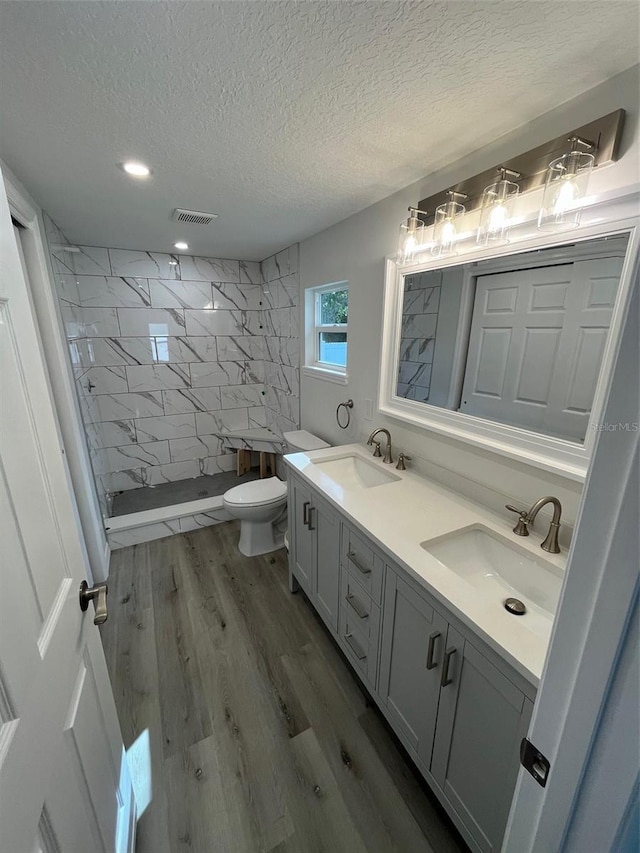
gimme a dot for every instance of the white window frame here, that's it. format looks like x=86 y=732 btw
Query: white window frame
x=313 y=327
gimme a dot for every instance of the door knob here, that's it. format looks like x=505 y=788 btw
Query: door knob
x=97 y=593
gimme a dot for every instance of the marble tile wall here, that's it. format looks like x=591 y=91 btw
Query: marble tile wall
x=160 y=529
x=282 y=340
x=418 y=335
x=167 y=350
x=63 y=266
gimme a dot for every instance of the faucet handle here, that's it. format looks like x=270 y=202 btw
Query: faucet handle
x=402 y=457
x=521 y=528
x=377 y=451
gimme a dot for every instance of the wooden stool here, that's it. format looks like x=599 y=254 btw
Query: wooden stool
x=267 y=464
x=243 y=462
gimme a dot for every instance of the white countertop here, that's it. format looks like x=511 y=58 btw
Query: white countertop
x=399 y=516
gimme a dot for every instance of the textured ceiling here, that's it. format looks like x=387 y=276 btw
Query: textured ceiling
x=283 y=117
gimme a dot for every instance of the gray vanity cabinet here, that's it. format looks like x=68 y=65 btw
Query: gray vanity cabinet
x=325 y=525
x=482 y=717
x=458 y=707
x=412 y=650
x=301 y=539
x=315 y=546
x=461 y=713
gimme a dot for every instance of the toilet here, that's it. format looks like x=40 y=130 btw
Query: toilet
x=261 y=505
x=300 y=440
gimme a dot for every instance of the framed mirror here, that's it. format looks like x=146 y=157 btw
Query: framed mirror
x=511 y=351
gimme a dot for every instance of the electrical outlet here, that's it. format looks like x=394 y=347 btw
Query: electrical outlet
x=368 y=410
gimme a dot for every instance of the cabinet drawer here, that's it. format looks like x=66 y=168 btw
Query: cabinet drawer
x=360 y=640
x=359 y=558
x=361 y=610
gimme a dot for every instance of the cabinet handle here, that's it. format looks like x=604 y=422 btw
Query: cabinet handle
x=352 y=556
x=305 y=512
x=445 y=680
x=355 y=648
x=309 y=522
x=357 y=606
x=431 y=664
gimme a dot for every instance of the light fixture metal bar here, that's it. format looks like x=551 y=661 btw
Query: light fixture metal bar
x=604 y=133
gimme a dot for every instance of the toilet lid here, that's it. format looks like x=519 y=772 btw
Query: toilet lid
x=257 y=492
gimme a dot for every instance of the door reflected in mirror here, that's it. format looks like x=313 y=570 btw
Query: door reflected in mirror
x=517 y=340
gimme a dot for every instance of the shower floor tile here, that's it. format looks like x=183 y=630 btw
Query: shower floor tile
x=167 y=494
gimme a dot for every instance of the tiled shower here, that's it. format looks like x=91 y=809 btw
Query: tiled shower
x=169 y=350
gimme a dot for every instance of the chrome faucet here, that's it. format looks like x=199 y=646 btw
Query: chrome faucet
x=387 y=454
x=550 y=542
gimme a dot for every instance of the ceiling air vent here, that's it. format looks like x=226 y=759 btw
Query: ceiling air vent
x=193 y=217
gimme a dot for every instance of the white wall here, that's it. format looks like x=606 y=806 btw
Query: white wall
x=605 y=800
x=354 y=250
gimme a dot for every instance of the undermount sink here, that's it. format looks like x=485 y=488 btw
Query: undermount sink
x=499 y=568
x=354 y=472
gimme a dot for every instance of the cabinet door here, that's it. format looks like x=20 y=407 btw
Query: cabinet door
x=325 y=527
x=482 y=718
x=302 y=538
x=413 y=638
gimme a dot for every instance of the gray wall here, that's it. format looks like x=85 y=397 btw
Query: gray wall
x=448 y=322
x=355 y=249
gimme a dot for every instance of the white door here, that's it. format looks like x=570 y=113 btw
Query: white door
x=590 y=301
x=573 y=719
x=64 y=783
x=536 y=345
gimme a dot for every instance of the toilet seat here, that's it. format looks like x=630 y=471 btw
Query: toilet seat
x=257 y=493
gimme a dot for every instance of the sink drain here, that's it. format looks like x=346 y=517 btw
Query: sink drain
x=515 y=606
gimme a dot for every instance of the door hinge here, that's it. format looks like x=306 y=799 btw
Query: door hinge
x=534 y=761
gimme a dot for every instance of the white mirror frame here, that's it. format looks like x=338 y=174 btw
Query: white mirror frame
x=609 y=216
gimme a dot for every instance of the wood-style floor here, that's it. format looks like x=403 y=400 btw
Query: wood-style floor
x=260 y=737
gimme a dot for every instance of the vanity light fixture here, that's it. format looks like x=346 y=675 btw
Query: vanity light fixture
x=136 y=169
x=498 y=203
x=565 y=187
x=550 y=167
x=444 y=226
x=181 y=245
x=411 y=236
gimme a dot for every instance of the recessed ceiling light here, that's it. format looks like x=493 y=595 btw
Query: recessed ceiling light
x=136 y=169
x=181 y=245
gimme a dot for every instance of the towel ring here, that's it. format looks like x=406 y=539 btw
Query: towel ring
x=348 y=405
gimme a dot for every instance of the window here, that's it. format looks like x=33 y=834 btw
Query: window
x=327 y=312
x=159 y=333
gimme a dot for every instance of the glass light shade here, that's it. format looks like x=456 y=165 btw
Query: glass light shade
x=444 y=228
x=410 y=240
x=498 y=203
x=565 y=190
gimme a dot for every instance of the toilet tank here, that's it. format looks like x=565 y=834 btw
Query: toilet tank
x=300 y=439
